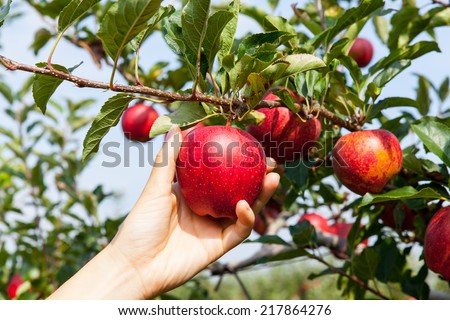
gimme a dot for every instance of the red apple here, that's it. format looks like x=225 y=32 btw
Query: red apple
x=217 y=166
x=13 y=285
x=361 y=51
x=269 y=213
x=317 y=221
x=388 y=218
x=364 y=161
x=137 y=122
x=284 y=136
x=342 y=229
x=437 y=243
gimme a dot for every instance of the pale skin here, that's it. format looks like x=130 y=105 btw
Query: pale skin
x=162 y=243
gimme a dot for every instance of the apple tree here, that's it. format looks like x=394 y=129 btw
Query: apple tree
x=370 y=172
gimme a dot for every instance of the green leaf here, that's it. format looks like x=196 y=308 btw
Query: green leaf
x=381 y=28
x=444 y=90
x=255 y=88
x=162 y=13
x=108 y=117
x=216 y=24
x=404 y=193
x=412 y=52
x=436 y=137
x=74 y=10
x=392 y=102
x=364 y=266
x=229 y=31
x=187 y=114
x=4 y=12
x=390 y=72
x=423 y=95
x=44 y=86
x=292 y=64
x=5 y=90
x=272 y=23
x=41 y=37
x=269 y=239
x=124 y=20
x=365 y=8
x=194 y=20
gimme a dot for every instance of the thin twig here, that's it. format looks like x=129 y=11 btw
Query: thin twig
x=238 y=106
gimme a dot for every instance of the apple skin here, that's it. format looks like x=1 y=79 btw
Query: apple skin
x=284 y=136
x=364 y=161
x=137 y=122
x=317 y=221
x=437 y=243
x=262 y=220
x=361 y=51
x=387 y=216
x=14 y=284
x=217 y=167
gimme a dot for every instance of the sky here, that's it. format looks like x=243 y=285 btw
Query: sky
x=17 y=36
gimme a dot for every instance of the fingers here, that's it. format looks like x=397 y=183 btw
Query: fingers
x=164 y=168
x=241 y=229
x=271 y=164
x=270 y=185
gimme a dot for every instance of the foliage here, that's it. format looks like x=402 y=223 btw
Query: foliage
x=50 y=227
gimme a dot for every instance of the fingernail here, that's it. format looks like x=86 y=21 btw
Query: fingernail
x=171 y=132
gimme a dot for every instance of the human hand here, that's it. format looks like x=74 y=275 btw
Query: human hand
x=165 y=241
x=162 y=243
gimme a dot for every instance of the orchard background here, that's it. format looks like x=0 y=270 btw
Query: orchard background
x=70 y=70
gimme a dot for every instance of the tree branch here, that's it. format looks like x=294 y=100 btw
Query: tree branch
x=238 y=106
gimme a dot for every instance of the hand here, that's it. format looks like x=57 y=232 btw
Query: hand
x=162 y=243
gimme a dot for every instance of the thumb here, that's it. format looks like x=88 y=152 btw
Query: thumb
x=241 y=229
x=164 y=167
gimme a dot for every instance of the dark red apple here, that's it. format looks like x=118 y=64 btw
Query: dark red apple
x=388 y=215
x=361 y=51
x=437 y=243
x=137 y=122
x=342 y=229
x=364 y=161
x=217 y=166
x=14 y=284
x=317 y=221
x=284 y=136
x=269 y=213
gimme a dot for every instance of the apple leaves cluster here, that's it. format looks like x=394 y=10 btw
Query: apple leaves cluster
x=221 y=76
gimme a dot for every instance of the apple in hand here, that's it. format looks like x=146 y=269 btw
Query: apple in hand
x=388 y=215
x=14 y=284
x=284 y=136
x=361 y=51
x=217 y=167
x=437 y=243
x=137 y=121
x=269 y=213
x=365 y=161
x=317 y=221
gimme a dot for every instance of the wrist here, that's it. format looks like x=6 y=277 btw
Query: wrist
x=107 y=276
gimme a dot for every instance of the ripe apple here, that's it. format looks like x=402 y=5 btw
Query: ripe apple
x=342 y=229
x=13 y=285
x=217 y=166
x=137 y=122
x=364 y=161
x=317 y=221
x=269 y=213
x=437 y=243
x=361 y=51
x=387 y=216
x=284 y=136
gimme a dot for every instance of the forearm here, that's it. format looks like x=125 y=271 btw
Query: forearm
x=106 y=276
